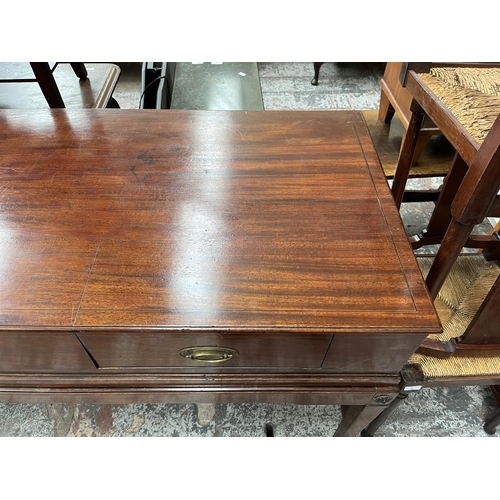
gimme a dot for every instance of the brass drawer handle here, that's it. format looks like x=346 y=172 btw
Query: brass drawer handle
x=208 y=354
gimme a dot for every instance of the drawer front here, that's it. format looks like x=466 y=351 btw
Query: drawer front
x=42 y=352
x=369 y=353
x=147 y=350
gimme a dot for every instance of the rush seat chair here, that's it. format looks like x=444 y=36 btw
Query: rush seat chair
x=465 y=287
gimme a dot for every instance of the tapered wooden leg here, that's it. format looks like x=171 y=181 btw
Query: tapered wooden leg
x=385 y=109
x=48 y=85
x=80 y=70
x=407 y=153
x=422 y=141
x=377 y=422
x=412 y=380
x=441 y=215
x=493 y=253
x=494 y=421
x=491 y=424
x=455 y=239
x=317 y=66
x=112 y=103
x=355 y=418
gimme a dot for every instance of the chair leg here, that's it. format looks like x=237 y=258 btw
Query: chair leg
x=407 y=153
x=376 y=423
x=385 y=109
x=355 y=418
x=80 y=70
x=441 y=215
x=317 y=66
x=490 y=426
x=412 y=380
x=457 y=235
x=493 y=253
x=112 y=103
x=422 y=141
x=48 y=85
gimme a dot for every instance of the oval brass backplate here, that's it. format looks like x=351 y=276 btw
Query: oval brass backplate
x=208 y=354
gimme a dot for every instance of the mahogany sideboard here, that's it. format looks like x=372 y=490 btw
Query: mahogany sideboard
x=203 y=256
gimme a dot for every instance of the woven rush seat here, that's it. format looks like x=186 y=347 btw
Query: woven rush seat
x=485 y=80
x=463 y=292
x=457 y=302
x=461 y=364
x=471 y=94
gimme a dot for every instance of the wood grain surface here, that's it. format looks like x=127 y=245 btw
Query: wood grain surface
x=234 y=221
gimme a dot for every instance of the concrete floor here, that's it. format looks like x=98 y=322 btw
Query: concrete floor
x=431 y=412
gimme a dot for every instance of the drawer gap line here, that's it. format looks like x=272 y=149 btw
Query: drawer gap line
x=88 y=353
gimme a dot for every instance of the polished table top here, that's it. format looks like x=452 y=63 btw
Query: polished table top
x=207 y=220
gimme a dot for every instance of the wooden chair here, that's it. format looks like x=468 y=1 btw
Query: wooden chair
x=436 y=95
x=465 y=288
x=396 y=99
x=60 y=85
